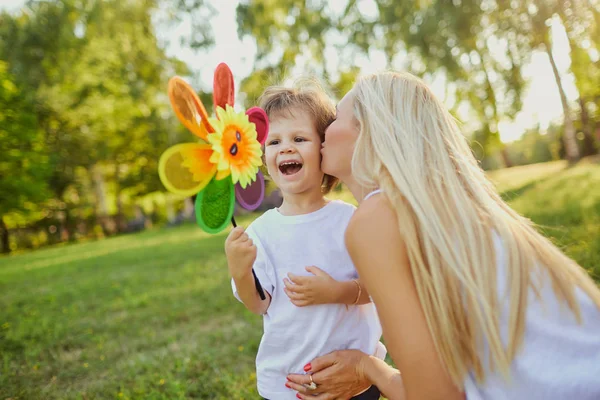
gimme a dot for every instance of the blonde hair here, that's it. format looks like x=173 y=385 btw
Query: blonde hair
x=307 y=95
x=411 y=147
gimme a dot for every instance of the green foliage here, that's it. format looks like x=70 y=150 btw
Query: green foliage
x=199 y=12
x=433 y=38
x=478 y=47
x=93 y=77
x=534 y=147
x=288 y=28
x=24 y=164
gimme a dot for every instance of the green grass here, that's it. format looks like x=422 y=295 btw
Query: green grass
x=563 y=201
x=151 y=316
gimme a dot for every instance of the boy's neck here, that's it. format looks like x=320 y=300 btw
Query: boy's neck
x=302 y=203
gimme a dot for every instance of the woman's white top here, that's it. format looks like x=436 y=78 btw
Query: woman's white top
x=559 y=358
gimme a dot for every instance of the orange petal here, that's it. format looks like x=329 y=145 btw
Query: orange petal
x=188 y=107
x=223 y=86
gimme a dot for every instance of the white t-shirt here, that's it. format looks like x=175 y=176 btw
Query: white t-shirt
x=294 y=336
x=559 y=358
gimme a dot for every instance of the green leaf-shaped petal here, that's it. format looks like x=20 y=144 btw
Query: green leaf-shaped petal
x=215 y=204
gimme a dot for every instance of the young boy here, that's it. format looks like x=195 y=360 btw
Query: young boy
x=307 y=230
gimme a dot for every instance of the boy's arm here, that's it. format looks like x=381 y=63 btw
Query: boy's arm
x=241 y=254
x=323 y=289
x=352 y=292
x=248 y=294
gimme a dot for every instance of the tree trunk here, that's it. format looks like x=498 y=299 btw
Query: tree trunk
x=69 y=226
x=4 y=238
x=589 y=147
x=505 y=157
x=492 y=98
x=100 y=194
x=171 y=217
x=120 y=218
x=188 y=208
x=571 y=148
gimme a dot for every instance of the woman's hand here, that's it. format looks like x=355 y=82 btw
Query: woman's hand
x=338 y=375
x=310 y=290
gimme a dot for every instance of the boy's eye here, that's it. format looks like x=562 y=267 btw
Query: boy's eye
x=298 y=139
x=272 y=142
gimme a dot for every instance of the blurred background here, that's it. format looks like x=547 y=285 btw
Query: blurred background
x=111 y=291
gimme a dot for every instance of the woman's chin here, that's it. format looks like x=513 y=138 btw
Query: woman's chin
x=326 y=168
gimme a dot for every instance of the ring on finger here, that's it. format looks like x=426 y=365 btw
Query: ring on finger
x=312 y=385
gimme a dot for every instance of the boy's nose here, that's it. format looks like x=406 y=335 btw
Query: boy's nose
x=287 y=150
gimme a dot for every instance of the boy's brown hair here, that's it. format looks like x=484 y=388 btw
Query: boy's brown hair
x=307 y=95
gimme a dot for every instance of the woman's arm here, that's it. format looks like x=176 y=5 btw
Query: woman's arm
x=387 y=379
x=374 y=242
x=345 y=373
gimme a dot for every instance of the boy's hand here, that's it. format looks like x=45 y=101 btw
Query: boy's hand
x=310 y=290
x=240 y=252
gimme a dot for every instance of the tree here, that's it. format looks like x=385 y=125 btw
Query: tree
x=24 y=164
x=96 y=75
x=38 y=45
x=433 y=38
x=582 y=22
x=113 y=94
x=288 y=28
x=532 y=21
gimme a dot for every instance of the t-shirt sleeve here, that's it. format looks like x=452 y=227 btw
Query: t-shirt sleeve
x=262 y=267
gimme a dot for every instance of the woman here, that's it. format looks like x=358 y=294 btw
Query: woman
x=472 y=300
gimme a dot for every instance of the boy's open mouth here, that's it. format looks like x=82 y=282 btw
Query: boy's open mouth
x=290 y=167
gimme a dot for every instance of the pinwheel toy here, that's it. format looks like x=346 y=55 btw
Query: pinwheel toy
x=223 y=165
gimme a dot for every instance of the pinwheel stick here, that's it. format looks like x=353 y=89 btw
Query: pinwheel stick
x=256 y=281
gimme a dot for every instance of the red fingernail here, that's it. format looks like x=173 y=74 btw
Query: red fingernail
x=298 y=396
x=307 y=367
x=287 y=385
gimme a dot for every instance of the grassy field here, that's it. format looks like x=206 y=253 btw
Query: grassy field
x=564 y=202
x=151 y=316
